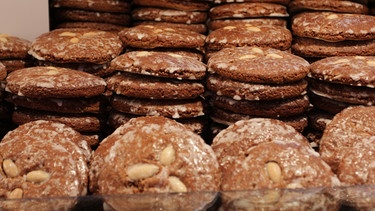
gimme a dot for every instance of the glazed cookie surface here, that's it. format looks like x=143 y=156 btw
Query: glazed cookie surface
x=141 y=86
x=334 y=27
x=297 y=6
x=13 y=47
x=251 y=91
x=153 y=36
x=349 y=70
x=219 y=23
x=160 y=64
x=247 y=10
x=76 y=45
x=247 y=35
x=94 y=5
x=278 y=164
x=353 y=125
x=154 y=155
x=54 y=82
x=258 y=65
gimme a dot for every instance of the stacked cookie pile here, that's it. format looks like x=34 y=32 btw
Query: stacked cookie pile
x=190 y=14
x=161 y=76
x=339 y=41
x=249 y=82
x=258 y=12
x=13 y=56
x=109 y=15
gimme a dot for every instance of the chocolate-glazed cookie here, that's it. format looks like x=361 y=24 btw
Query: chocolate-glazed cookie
x=142 y=86
x=153 y=36
x=76 y=45
x=258 y=65
x=353 y=125
x=278 y=164
x=334 y=27
x=44 y=159
x=297 y=6
x=153 y=155
x=248 y=35
x=54 y=82
x=160 y=64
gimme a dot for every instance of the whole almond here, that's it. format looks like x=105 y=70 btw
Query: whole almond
x=168 y=155
x=176 y=184
x=37 y=176
x=141 y=171
x=10 y=168
x=274 y=171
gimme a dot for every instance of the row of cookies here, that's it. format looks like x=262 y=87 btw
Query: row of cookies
x=153 y=155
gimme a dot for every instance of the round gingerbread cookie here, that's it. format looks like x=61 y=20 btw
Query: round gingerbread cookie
x=168 y=15
x=318 y=49
x=297 y=6
x=92 y=105
x=360 y=95
x=250 y=91
x=44 y=159
x=115 y=6
x=37 y=82
x=12 y=47
x=76 y=45
x=65 y=14
x=333 y=27
x=248 y=35
x=216 y=24
x=248 y=10
x=349 y=70
x=195 y=27
x=187 y=5
x=160 y=64
x=227 y=118
x=80 y=122
x=235 y=141
x=153 y=155
x=15 y=64
x=168 y=108
x=258 y=65
x=263 y=108
x=353 y=125
x=141 y=86
x=154 y=36
x=329 y=105
x=115 y=28
x=278 y=164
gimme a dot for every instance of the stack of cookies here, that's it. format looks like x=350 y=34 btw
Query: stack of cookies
x=248 y=82
x=324 y=34
x=5 y=108
x=13 y=52
x=190 y=14
x=58 y=94
x=258 y=12
x=338 y=82
x=161 y=76
x=109 y=15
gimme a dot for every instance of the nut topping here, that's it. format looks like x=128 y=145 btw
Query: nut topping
x=16 y=194
x=274 y=171
x=176 y=184
x=142 y=171
x=37 y=176
x=10 y=168
x=168 y=155
x=74 y=40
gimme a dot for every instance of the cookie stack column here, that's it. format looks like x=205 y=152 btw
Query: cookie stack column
x=161 y=78
x=13 y=56
x=109 y=15
x=250 y=81
x=190 y=14
x=66 y=86
x=340 y=44
x=258 y=12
